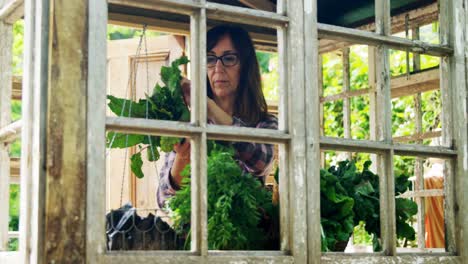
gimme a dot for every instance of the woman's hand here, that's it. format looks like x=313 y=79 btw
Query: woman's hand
x=185 y=85
x=217 y=114
x=183 y=148
x=182 y=158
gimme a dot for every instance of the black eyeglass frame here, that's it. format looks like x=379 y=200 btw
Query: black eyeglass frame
x=221 y=58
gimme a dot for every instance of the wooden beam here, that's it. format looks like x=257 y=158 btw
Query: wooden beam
x=370 y=38
x=6 y=47
x=312 y=120
x=96 y=131
x=454 y=90
x=260 y=4
x=283 y=125
x=262 y=41
x=155 y=24
x=65 y=205
x=34 y=99
x=400 y=86
x=422 y=193
x=12 y=11
x=10 y=132
x=408 y=258
x=417 y=17
x=15 y=170
x=415 y=83
x=418 y=136
x=16 y=86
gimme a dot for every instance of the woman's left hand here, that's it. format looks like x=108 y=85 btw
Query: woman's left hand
x=217 y=115
x=186 y=87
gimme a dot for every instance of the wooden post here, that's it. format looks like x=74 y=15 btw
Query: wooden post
x=418 y=168
x=6 y=47
x=322 y=105
x=199 y=185
x=384 y=131
x=66 y=124
x=312 y=143
x=454 y=85
x=298 y=149
x=96 y=112
x=283 y=125
x=346 y=100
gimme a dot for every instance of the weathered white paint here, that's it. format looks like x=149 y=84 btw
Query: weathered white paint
x=297 y=166
x=6 y=49
x=356 y=36
x=10 y=132
x=11 y=10
x=96 y=165
x=312 y=117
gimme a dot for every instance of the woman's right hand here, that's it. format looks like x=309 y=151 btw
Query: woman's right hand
x=181 y=160
x=183 y=149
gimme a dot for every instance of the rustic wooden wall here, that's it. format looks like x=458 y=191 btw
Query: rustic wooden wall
x=65 y=199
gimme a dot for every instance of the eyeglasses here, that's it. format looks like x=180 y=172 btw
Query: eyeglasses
x=228 y=60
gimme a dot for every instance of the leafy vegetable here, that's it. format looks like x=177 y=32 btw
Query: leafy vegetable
x=237 y=203
x=336 y=209
x=167 y=143
x=166 y=103
x=363 y=188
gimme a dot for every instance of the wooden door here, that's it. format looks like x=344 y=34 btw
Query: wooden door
x=122 y=62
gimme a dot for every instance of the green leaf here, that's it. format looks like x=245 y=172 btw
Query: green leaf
x=152 y=153
x=121 y=107
x=185 y=117
x=167 y=143
x=119 y=140
x=136 y=163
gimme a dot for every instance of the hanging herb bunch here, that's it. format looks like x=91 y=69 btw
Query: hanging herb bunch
x=166 y=103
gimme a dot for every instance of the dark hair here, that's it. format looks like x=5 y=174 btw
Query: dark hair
x=250 y=104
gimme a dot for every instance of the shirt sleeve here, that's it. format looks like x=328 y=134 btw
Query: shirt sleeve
x=256 y=158
x=167 y=187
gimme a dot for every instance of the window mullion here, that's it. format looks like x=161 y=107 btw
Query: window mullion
x=283 y=125
x=297 y=148
x=384 y=130
x=199 y=223
x=312 y=95
x=453 y=87
x=6 y=47
x=96 y=112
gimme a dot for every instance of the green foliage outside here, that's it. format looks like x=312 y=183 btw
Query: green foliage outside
x=350 y=196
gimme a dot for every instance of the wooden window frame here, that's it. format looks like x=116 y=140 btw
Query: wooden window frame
x=299 y=133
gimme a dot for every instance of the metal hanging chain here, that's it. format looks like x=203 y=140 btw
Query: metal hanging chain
x=131 y=80
x=147 y=104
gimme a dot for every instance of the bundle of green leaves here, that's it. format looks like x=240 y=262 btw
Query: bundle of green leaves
x=237 y=204
x=363 y=188
x=336 y=210
x=166 y=103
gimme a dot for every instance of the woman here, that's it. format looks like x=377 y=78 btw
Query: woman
x=234 y=98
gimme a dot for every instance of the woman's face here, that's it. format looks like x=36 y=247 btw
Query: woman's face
x=224 y=80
